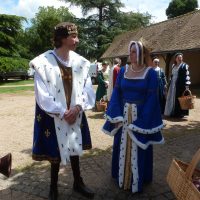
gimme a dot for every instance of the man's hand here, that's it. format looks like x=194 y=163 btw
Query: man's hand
x=71 y=114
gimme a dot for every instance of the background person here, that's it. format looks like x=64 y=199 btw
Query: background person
x=102 y=84
x=179 y=82
x=162 y=84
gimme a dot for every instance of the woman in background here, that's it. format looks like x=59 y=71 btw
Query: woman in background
x=102 y=85
x=179 y=82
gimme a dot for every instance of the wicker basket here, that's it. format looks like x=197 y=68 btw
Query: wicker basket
x=187 y=102
x=101 y=106
x=180 y=177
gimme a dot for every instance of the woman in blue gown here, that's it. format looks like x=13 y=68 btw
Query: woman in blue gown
x=134 y=119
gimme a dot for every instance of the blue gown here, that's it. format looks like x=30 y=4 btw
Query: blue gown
x=137 y=98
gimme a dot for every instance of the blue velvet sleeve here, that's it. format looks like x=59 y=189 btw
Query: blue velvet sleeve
x=149 y=120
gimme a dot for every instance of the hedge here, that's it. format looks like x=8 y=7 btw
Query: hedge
x=9 y=64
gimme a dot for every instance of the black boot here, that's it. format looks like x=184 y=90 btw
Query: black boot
x=5 y=165
x=53 y=193
x=79 y=185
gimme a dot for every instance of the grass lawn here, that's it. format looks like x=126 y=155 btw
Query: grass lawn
x=16 y=89
x=16 y=82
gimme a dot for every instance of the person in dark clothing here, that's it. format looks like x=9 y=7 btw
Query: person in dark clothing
x=179 y=82
x=102 y=85
x=162 y=83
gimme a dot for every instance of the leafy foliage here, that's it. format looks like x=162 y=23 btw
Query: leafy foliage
x=10 y=27
x=131 y=20
x=8 y=64
x=98 y=30
x=11 y=49
x=180 y=7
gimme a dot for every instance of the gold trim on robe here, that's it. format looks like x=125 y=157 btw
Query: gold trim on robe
x=128 y=170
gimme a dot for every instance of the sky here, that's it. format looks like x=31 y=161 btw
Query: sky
x=28 y=8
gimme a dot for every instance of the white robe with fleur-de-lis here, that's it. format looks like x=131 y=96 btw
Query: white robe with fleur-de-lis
x=46 y=68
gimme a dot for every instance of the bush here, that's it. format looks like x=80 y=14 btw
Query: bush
x=9 y=64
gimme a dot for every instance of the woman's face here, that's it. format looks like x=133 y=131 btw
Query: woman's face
x=179 y=58
x=133 y=54
x=155 y=63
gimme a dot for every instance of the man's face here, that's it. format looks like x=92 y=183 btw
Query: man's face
x=71 y=41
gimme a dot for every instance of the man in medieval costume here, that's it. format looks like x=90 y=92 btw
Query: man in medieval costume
x=63 y=90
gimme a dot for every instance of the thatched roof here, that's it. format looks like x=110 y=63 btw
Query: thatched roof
x=177 y=34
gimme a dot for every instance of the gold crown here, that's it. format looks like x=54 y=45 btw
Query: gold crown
x=71 y=28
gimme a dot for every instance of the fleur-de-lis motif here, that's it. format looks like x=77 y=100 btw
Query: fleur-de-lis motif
x=39 y=118
x=47 y=133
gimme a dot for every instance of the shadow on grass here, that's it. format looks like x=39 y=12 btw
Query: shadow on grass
x=14 y=90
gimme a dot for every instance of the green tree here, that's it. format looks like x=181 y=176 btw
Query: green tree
x=98 y=26
x=131 y=20
x=180 y=7
x=39 y=36
x=10 y=28
x=11 y=50
x=98 y=30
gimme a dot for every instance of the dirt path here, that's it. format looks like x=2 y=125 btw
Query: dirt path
x=16 y=125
